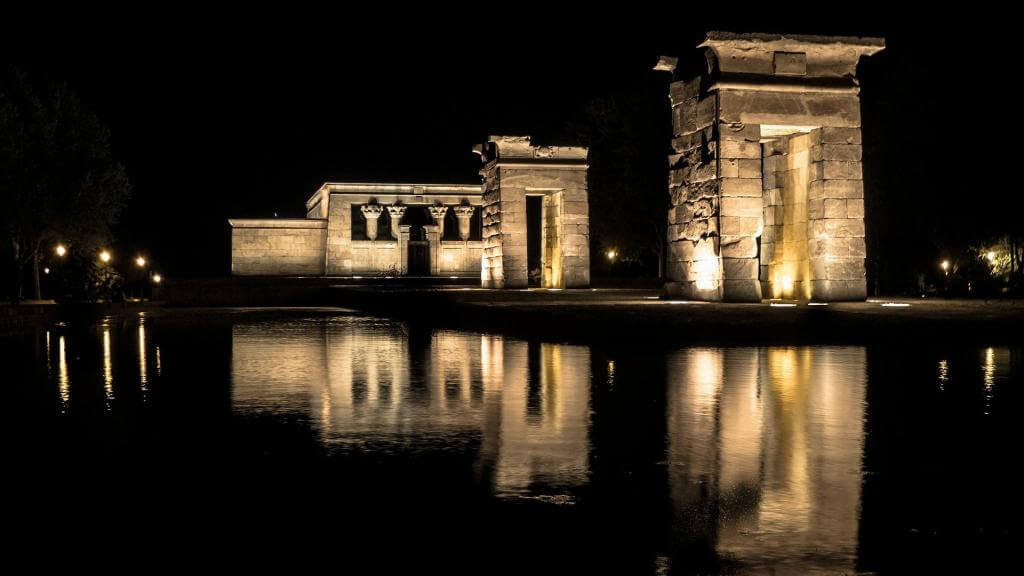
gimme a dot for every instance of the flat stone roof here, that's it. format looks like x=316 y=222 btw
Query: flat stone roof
x=720 y=35
x=277 y=223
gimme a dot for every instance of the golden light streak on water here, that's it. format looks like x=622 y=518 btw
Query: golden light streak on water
x=143 y=382
x=108 y=367
x=63 y=381
x=989 y=371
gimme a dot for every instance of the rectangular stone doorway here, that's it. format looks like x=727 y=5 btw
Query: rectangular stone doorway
x=534 y=226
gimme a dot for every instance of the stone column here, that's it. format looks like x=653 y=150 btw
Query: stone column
x=438 y=212
x=404 y=231
x=464 y=214
x=396 y=211
x=371 y=212
x=434 y=239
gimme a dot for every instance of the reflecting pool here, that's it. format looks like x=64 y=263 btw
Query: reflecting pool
x=399 y=445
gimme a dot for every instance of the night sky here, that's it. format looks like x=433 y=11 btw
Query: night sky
x=238 y=114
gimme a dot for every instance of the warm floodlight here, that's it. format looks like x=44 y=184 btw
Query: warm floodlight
x=104 y=256
x=991 y=256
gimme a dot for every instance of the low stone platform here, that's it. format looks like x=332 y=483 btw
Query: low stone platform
x=287 y=290
x=633 y=316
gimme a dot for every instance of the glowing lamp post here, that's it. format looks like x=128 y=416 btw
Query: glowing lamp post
x=945 y=266
x=991 y=256
x=105 y=256
x=60 y=250
x=611 y=254
x=140 y=263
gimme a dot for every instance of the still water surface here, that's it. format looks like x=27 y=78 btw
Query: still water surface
x=387 y=442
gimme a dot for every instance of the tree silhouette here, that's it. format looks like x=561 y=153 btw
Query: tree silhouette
x=627 y=181
x=58 y=181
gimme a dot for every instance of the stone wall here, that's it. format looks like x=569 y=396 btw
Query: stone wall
x=460 y=257
x=370 y=257
x=277 y=247
x=836 y=245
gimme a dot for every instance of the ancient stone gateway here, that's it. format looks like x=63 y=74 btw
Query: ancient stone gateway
x=765 y=179
x=554 y=242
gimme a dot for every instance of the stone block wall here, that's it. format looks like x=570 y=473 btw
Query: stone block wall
x=339 y=237
x=492 y=265
x=514 y=169
x=370 y=257
x=277 y=247
x=836 y=246
x=460 y=257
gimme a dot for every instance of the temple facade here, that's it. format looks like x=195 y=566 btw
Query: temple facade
x=367 y=229
x=526 y=225
x=767 y=194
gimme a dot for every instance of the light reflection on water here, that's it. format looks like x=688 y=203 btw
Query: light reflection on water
x=763 y=450
x=525 y=404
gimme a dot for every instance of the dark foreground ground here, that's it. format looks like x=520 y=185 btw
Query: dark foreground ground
x=610 y=315
x=632 y=315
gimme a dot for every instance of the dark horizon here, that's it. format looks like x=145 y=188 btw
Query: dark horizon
x=223 y=122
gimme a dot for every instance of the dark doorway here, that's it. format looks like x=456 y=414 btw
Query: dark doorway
x=534 y=209
x=419 y=248
x=419 y=258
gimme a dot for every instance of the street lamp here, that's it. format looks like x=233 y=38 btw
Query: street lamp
x=991 y=256
x=60 y=250
x=104 y=256
x=945 y=266
x=140 y=262
x=157 y=278
x=611 y=254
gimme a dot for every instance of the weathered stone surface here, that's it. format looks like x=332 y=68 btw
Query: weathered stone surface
x=740 y=149
x=834 y=208
x=739 y=131
x=786 y=108
x=835 y=170
x=741 y=187
x=840 y=152
x=747 y=207
x=855 y=208
x=738 y=247
x=840 y=135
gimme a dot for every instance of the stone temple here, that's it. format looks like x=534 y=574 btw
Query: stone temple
x=765 y=179
x=526 y=225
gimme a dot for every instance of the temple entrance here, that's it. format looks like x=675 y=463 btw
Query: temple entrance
x=534 y=261
x=418 y=254
x=419 y=258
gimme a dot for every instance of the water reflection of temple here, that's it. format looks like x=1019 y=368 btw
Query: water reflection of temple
x=522 y=406
x=765 y=454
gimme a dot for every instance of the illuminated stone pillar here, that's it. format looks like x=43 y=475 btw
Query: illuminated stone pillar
x=404 y=231
x=438 y=213
x=372 y=213
x=464 y=214
x=741 y=200
x=396 y=212
x=434 y=239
